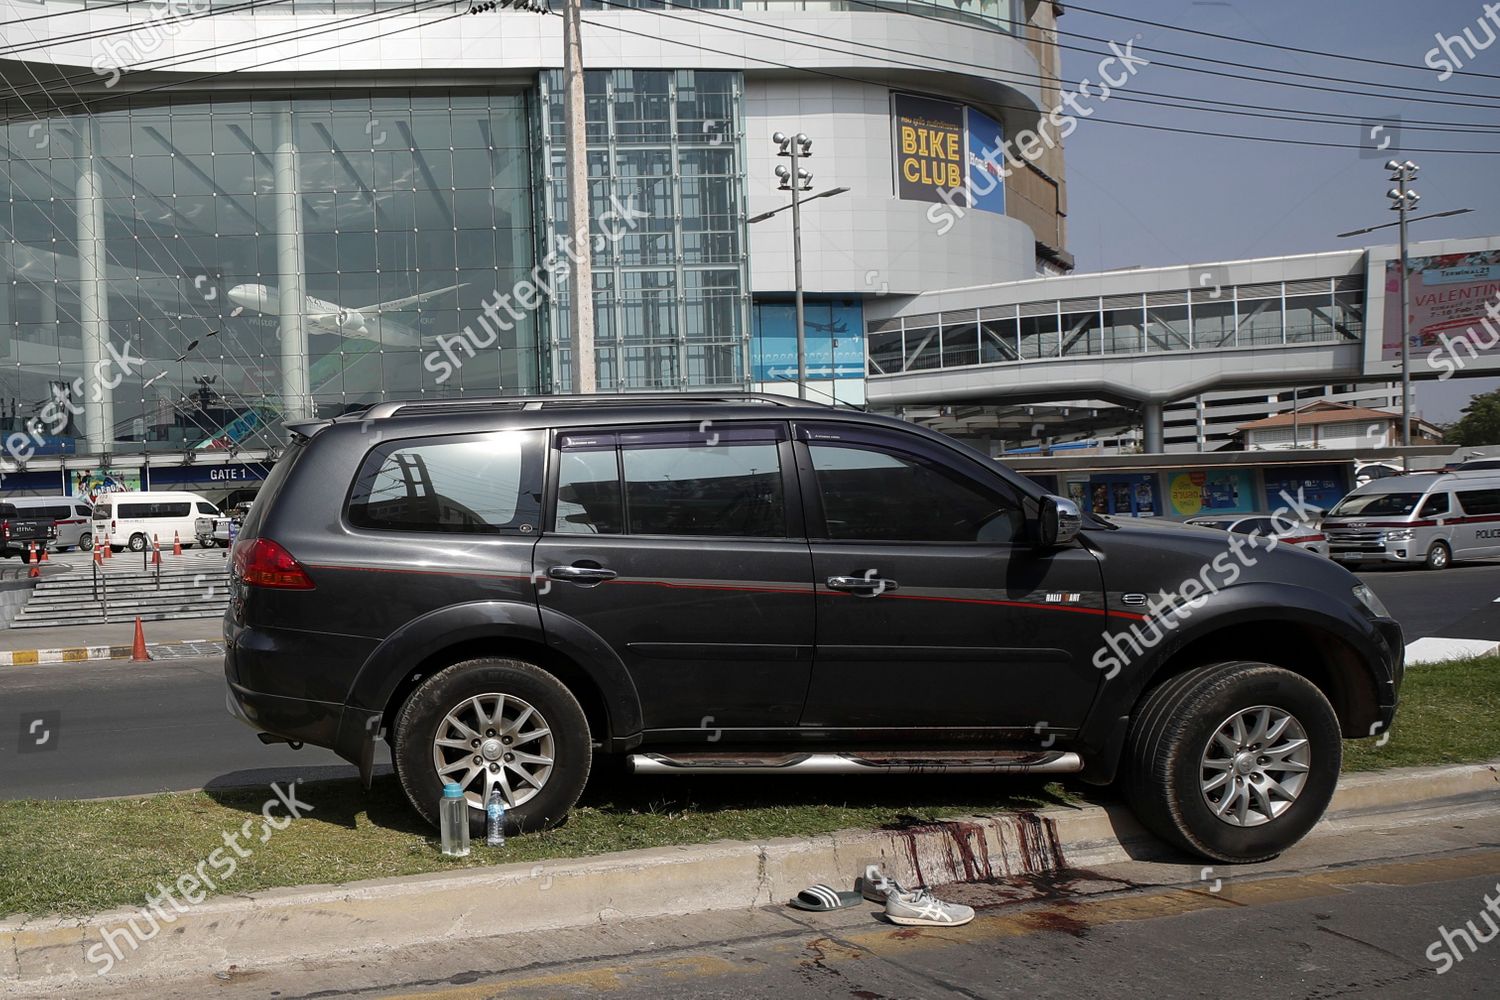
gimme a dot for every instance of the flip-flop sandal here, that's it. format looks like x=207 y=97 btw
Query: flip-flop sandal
x=821 y=897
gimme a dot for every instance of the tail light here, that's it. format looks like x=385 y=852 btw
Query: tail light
x=261 y=562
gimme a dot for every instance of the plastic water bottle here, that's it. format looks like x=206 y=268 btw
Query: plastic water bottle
x=453 y=818
x=494 y=815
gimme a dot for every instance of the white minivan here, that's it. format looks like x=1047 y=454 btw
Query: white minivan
x=134 y=519
x=1428 y=519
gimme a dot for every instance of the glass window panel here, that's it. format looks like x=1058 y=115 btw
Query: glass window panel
x=675 y=485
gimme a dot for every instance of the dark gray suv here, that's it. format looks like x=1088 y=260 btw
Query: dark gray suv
x=504 y=589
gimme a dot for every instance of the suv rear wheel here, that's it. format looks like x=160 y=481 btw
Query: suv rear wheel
x=494 y=723
x=1235 y=761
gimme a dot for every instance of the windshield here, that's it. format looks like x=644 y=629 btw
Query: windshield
x=1376 y=503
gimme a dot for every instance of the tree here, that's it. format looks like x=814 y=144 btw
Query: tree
x=1480 y=423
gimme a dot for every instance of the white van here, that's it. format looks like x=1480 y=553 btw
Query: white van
x=133 y=519
x=1429 y=519
x=72 y=515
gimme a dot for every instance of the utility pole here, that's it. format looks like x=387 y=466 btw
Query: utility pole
x=796 y=180
x=1403 y=199
x=581 y=315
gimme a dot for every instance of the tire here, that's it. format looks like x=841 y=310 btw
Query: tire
x=85 y=542
x=1169 y=758
x=138 y=542
x=448 y=692
x=1439 y=557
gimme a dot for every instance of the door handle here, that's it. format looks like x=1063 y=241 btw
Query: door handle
x=861 y=586
x=582 y=575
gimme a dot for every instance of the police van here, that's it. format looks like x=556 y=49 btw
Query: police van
x=1427 y=519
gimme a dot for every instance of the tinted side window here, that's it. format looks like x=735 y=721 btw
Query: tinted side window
x=482 y=484
x=7 y=510
x=159 y=509
x=82 y=511
x=206 y=508
x=725 y=482
x=1480 y=501
x=103 y=512
x=1434 y=505
x=588 y=486
x=873 y=493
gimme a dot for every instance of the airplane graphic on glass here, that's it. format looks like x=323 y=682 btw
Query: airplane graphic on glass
x=358 y=323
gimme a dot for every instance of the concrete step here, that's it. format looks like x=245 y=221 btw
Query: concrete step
x=122 y=617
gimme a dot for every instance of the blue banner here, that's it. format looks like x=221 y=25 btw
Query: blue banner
x=232 y=473
x=835 y=334
x=985 y=156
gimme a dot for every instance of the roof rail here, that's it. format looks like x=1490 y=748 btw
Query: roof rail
x=392 y=407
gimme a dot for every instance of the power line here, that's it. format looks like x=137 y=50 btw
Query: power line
x=1029 y=110
x=1208 y=72
x=1268 y=45
x=1291 y=114
x=131 y=27
x=295 y=34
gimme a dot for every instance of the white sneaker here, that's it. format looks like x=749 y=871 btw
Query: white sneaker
x=922 y=908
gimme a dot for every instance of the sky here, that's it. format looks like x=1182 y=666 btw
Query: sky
x=1142 y=197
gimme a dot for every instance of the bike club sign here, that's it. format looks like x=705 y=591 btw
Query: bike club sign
x=947 y=152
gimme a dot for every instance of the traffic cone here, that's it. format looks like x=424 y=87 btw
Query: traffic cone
x=44 y=553
x=176 y=544
x=155 y=550
x=98 y=559
x=109 y=553
x=31 y=555
x=138 y=650
x=36 y=570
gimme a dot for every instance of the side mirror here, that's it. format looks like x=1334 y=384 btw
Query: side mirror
x=1059 y=521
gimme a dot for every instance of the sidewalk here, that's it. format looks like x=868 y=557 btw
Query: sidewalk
x=70 y=643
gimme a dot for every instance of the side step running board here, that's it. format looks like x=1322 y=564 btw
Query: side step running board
x=972 y=762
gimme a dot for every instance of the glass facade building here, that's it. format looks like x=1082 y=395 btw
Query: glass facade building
x=287 y=255
x=667 y=202
x=298 y=254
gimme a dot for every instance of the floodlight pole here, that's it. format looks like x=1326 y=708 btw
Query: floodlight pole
x=581 y=315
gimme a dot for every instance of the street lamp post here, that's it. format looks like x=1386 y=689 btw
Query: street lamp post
x=796 y=180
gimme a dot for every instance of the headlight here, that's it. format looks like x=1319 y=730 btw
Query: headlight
x=1399 y=535
x=1366 y=596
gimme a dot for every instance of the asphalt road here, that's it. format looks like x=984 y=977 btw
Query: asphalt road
x=122 y=728
x=1456 y=603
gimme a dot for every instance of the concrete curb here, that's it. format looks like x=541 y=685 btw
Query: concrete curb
x=71 y=654
x=307 y=922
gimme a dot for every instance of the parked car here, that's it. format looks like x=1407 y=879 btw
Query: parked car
x=508 y=589
x=133 y=519
x=20 y=528
x=1424 y=519
x=1285 y=530
x=222 y=529
x=72 y=515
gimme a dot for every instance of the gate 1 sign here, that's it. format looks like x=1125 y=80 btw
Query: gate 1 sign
x=930 y=147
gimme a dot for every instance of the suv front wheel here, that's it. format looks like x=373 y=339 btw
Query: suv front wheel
x=1235 y=761
x=494 y=723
